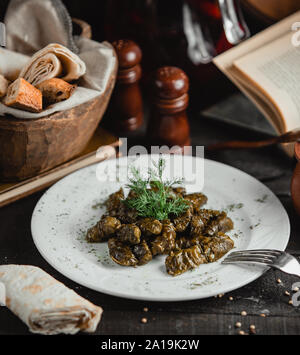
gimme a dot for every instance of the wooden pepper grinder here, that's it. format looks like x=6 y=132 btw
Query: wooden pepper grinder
x=127 y=103
x=168 y=123
x=295 y=185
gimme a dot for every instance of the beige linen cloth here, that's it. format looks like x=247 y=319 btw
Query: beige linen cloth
x=45 y=304
x=37 y=25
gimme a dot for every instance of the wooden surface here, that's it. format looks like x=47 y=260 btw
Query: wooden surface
x=207 y=316
x=10 y=192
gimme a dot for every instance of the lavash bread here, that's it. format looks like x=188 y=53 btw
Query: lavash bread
x=53 y=61
x=55 y=90
x=24 y=96
x=46 y=305
x=3 y=85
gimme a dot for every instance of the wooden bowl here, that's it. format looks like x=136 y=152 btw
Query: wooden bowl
x=30 y=147
x=271 y=10
x=295 y=185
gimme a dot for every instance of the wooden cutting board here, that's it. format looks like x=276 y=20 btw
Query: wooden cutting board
x=10 y=192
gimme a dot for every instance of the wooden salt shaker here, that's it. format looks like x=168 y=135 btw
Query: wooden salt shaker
x=127 y=103
x=168 y=123
x=295 y=185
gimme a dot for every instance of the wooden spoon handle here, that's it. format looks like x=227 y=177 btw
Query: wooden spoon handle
x=288 y=137
x=242 y=144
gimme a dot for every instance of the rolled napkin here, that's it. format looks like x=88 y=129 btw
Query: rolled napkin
x=46 y=305
x=53 y=61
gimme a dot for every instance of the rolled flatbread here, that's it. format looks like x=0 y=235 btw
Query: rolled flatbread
x=53 y=61
x=46 y=305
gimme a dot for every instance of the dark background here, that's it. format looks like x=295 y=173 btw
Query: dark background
x=111 y=20
x=93 y=12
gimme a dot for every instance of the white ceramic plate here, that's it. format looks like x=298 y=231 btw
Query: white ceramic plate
x=72 y=205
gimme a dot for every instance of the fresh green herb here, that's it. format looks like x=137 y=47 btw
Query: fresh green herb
x=234 y=206
x=262 y=199
x=158 y=201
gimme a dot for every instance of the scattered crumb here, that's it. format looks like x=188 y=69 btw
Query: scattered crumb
x=243 y=313
x=241 y=332
x=287 y=293
x=256 y=225
x=262 y=199
x=230 y=298
x=220 y=295
x=238 y=324
x=252 y=329
x=145 y=309
x=290 y=302
x=144 y=320
x=296 y=289
x=234 y=207
x=278 y=281
x=262 y=315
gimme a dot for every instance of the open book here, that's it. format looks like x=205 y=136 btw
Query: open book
x=266 y=68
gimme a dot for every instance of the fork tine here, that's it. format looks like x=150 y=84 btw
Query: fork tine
x=246 y=254
x=250 y=259
x=254 y=251
x=269 y=257
x=228 y=261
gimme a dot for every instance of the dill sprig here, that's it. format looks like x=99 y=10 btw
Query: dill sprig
x=154 y=197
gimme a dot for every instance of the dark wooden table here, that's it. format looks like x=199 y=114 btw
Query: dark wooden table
x=216 y=315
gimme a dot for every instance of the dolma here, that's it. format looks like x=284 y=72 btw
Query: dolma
x=179 y=261
x=197 y=200
x=217 y=246
x=181 y=191
x=129 y=233
x=183 y=242
x=142 y=253
x=121 y=253
x=181 y=222
x=220 y=223
x=126 y=214
x=149 y=226
x=190 y=239
x=165 y=242
x=114 y=202
x=197 y=225
x=105 y=228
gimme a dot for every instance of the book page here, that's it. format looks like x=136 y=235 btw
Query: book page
x=225 y=62
x=261 y=102
x=274 y=70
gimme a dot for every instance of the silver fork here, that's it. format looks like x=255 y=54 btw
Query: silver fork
x=269 y=257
